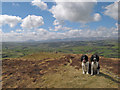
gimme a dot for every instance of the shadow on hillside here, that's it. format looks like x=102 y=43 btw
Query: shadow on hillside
x=109 y=77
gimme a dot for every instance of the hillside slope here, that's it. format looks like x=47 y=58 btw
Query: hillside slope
x=57 y=70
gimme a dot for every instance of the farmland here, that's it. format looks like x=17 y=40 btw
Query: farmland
x=106 y=48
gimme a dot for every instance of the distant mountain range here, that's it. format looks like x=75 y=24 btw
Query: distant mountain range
x=75 y=39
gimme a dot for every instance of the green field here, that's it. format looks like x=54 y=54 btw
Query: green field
x=106 y=48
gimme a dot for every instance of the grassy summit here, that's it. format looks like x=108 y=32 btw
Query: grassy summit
x=57 y=70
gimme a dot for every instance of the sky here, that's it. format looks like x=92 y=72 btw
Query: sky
x=38 y=20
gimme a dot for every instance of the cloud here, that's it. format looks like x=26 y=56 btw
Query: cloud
x=32 y=21
x=73 y=33
x=39 y=4
x=75 y=0
x=19 y=30
x=10 y=20
x=0 y=30
x=105 y=32
x=99 y=32
x=43 y=34
x=10 y=36
x=56 y=22
x=75 y=11
x=0 y=34
x=118 y=26
x=112 y=10
x=97 y=17
x=42 y=31
x=60 y=28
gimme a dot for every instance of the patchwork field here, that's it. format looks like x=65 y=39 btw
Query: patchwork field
x=106 y=48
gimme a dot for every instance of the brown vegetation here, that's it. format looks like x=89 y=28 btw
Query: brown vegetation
x=23 y=73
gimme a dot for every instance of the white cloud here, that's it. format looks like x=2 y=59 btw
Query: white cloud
x=0 y=35
x=112 y=10
x=118 y=26
x=75 y=11
x=97 y=17
x=60 y=22
x=0 y=30
x=42 y=31
x=39 y=4
x=56 y=22
x=99 y=32
x=12 y=31
x=106 y=32
x=73 y=33
x=12 y=36
x=59 y=28
x=32 y=21
x=43 y=34
x=19 y=30
x=10 y=20
x=50 y=29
